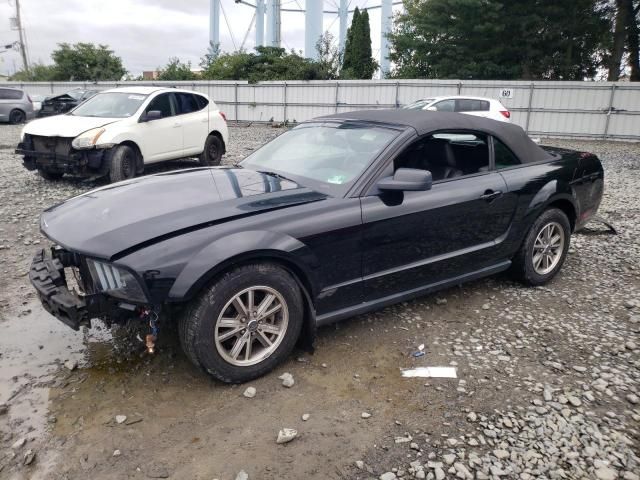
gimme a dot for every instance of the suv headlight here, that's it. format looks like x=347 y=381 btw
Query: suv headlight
x=87 y=139
x=116 y=282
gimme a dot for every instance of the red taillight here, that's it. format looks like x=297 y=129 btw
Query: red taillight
x=29 y=98
x=224 y=117
x=505 y=113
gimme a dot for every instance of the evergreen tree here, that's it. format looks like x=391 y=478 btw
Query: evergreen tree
x=357 y=61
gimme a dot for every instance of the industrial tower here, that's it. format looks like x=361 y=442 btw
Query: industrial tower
x=314 y=12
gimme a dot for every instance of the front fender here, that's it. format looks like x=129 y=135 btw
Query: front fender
x=238 y=247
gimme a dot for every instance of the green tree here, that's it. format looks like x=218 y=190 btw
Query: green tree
x=499 y=39
x=37 y=73
x=86 y=62
x=213 y=52
x=357 y=61
x=329 y=57
x=176 y=70
x=625 y=18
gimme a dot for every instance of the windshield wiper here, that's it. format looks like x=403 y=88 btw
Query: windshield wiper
x=274 y=174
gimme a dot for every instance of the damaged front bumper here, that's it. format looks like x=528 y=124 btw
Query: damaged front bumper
x=63 y=159
x=48 y=276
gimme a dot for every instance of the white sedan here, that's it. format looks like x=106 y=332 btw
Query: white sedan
x=478 y=106
x=117 y=132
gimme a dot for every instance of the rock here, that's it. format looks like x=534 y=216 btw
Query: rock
x=305 y=417
x=420 y=474
x=631 y=345
x=575 y=401
x=286 y=435
x=579 y=369
x=4 y=408
x=360 y=464
x=472 y=417
x=486 y=306
x=414 y=446
x=452 y=442
x=606 y=473
x=121 y=419
x=365 y=415
x=250 y=392
x=388 y=476
x=630 y=476
x=501 y=454
x=287 y=380
x=242 y=475
x=29 y=457
x=439 y=473
x=116 y=453
x=71 y=365
x=449 y=458
x=19 y=443
x=633 y=398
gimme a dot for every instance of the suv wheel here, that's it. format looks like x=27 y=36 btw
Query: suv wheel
x=122 y=163
x=244 y=324
x=544 y=249
x=17 y=116
x=212 y=154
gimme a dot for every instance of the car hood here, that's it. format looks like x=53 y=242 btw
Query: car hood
x=128 y=215
x=65 y=125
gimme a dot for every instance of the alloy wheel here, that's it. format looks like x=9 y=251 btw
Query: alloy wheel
x=548 y=248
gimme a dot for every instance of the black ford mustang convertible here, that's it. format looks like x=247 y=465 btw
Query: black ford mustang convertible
x=336 y=217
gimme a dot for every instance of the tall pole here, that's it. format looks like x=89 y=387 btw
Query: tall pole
x=23 y=47
x=312 y=27
x=273 y=23
x=343 y=14
x=214 y=22
x=259 y=23
x=386 y=13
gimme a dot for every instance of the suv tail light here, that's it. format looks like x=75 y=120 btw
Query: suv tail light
x=29 y=98
x=224 y=117
x=505 y=113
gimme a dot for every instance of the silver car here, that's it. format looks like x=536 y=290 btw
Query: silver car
x=15 y=106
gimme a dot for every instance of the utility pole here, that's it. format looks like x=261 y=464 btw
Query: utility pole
x=23 y=47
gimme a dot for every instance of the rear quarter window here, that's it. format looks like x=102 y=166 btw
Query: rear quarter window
x=202 y=102
x=504 y=157
x=10 y=94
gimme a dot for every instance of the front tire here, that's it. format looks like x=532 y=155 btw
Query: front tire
x=50 y=174
x=212 y=154
x=122 y=164
x=544 y=249
x=17 y=116
x=244 y=324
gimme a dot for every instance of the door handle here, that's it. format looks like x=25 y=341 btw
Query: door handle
x=490 y=195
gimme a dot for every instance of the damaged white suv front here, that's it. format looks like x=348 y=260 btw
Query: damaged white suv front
x=117 y=132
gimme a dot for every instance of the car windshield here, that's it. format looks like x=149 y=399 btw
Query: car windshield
x=110 y=105
x=418 y=105
x=332 y=154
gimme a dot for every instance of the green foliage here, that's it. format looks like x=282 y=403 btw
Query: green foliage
x=498 y=39
x=37 y=73
x=357 y=62
x=268 y=63
x=86 y=62
x=329 y=57
x=213 y=52
x=176 y=70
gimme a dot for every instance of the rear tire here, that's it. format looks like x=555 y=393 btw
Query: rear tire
x=544 y=249
x=212 y=154
x=50 y=175
x=122 y=163
x=17 y=116
x=213 y=326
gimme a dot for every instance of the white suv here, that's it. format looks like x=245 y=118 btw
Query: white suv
x=478 y=106
x=117 y=132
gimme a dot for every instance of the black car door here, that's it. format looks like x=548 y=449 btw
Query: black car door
x=420 y=238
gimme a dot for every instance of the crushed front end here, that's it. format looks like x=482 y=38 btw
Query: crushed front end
x=75 y=289
x=57 y=155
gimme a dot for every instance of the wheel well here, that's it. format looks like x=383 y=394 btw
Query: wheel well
x=567 y=207
x=21 y=111
x=139 y=159
x=216 y=133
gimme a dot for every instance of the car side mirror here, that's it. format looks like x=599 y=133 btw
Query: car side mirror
x=431 y=109
x=151 y=115
x=407 y=179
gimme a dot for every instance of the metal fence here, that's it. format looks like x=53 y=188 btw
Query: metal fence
x=603 y=110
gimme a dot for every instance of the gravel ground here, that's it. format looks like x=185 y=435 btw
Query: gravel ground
x=547 y=378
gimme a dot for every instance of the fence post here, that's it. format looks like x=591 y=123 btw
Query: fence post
x=531 y=88
x=397 y=94
x=235 y=92
x=609 y=111
x=459 y=88
x=337 y=93
x=284 y=101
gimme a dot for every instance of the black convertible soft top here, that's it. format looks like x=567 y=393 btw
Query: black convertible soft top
x=425 y=122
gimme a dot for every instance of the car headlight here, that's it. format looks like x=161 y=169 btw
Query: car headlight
x=116 y=282
x=87 y=139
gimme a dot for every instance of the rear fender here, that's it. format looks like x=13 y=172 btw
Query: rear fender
x=243 y=247
x=552 y=192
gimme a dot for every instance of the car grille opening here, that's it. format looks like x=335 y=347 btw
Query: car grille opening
x=57 y=145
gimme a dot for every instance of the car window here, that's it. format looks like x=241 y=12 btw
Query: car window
x=162 y=103
x=445 y=106
x=418 y=105
x=447 y=155
x=186 y=103
x=10 y=94
x=504 y=157
x=202 y=102
x=471 y=105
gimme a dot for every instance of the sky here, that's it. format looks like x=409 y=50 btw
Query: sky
x=145 y=33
